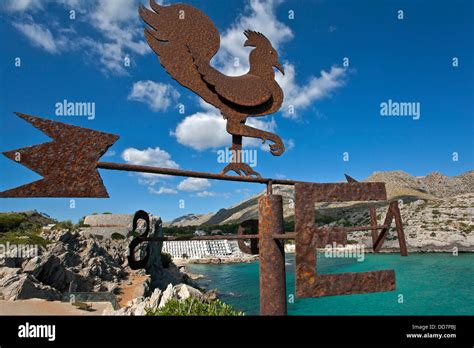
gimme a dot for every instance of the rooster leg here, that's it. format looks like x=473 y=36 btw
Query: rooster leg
x=236 y=148
x=239 y=128
x=242 y=169
x=236 y=165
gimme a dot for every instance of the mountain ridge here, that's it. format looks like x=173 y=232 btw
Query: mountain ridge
x=399 y=184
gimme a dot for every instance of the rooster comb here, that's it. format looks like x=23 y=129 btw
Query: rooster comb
x=254 y=38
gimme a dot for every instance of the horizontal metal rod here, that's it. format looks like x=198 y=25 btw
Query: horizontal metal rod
x=178 y=238
x=290 y=235
x=287 y=235
x=188 y=173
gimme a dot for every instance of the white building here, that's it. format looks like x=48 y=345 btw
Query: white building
x=196 y=249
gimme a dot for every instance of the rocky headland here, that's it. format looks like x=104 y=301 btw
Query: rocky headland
x=74 y=263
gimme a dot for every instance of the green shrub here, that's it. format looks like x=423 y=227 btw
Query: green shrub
x=133 y=234
x=10 y=221
x=325 y=219
x=14 y=237
x=117 y=236
x=194 y=307
x=64 y=225
x=166 y=259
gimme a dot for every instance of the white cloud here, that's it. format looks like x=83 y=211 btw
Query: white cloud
x=301 y=97
x=207 y=130
x=202 y=131
x=22 y=5
x=205 y=194
x=194 y=184
x=40 y=36
x=150 y=157
x=162 y=190
x=158 y=96
x=119 y=29
x=290 y=144
x=120 y=26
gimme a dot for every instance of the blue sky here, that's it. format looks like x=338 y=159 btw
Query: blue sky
x=337 y=107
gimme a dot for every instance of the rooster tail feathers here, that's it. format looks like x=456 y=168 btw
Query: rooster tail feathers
x=146 y=13
x=148 y=16
x=184 y=38
x=155 y=6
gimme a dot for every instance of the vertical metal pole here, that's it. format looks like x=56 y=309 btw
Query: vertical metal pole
x=373 y=223
x=272 y=256
x=399 y=228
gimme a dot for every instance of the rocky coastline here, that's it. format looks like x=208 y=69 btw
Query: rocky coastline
x=75 y=263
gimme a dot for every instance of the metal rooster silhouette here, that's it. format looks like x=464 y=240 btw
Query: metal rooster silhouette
x=185 y=40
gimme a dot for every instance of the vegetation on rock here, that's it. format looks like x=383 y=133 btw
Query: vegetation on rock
x=117 y=236
x=10 y=221
x=194 y=307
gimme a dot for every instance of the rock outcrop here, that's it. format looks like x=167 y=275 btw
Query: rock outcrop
x=159 y=299
x=15 y=285
x=71 y=262
x=443 y=225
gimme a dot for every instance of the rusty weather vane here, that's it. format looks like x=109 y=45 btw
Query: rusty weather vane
x=185 y=40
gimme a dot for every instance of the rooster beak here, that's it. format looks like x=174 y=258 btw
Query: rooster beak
x=279 y=67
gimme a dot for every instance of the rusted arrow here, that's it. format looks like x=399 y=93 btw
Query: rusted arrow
x=68 y=164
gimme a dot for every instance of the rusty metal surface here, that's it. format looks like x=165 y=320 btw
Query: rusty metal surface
x=393 y=213
x=253 y=226
x=272 y=256
x=343 y=192
x=373 y=223
x=185 y=40
x=399 y=228
x=189 y=173
x=67 y=164
x=309 y=237
x=350 y=179
x=327 y=192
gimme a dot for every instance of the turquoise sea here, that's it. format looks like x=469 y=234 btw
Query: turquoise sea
x=430 y=284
